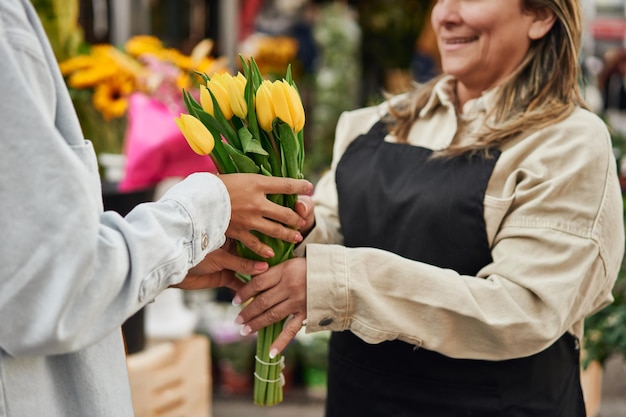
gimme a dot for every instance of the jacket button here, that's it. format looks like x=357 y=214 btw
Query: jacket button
x=326 y=321
x=205 y=241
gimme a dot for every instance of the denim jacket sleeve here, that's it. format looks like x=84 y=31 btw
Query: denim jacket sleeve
x=71 y=274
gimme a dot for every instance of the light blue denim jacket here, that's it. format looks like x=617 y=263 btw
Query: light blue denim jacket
x=70 y=274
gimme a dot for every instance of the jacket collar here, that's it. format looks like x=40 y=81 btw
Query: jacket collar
x=444 y=94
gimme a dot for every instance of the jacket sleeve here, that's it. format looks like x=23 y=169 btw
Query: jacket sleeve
x=72 y=274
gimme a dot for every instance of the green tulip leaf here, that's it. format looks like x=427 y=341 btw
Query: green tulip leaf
x=225 y=165
x=250 y=144
x=264 y=171
x=242 y=163
x=225 y=128
x=204 y=76
x=290 y=151
x=288 y=76
x=191 y=103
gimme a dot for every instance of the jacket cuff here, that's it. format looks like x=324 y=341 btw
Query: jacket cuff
x=205 y=199
x=327 y=288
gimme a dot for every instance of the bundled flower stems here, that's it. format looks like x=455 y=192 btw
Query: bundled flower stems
x=250 y=125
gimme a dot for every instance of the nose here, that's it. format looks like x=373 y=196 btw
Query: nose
x=445 y=12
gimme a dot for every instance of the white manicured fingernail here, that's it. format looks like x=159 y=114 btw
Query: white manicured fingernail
x=245 y=330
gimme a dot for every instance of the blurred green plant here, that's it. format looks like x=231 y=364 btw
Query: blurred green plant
x=336 y=81
x=313 y=349
x=60 y=21
x=605 y=331
x=390 y=30
x=238 y=354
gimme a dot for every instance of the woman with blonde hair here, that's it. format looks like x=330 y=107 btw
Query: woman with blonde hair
x=464 y=231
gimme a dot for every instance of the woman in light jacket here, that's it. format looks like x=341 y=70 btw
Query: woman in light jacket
x=464 y=231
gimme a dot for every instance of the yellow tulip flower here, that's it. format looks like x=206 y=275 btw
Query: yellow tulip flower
x=264 y=108
x=216 y=85
x=287 y=104
x=205 y=100
x=296 y=109
x=235 y=86
x=196 y=133
x=280 y=101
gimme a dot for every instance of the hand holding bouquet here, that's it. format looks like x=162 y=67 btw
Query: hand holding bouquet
x=250 y=125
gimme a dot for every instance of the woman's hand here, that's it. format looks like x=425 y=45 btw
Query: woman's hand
x=305 y=207
x=275 y=294
x=218 y=269
x=251 y=210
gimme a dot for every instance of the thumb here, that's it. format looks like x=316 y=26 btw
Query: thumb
x=304 y=205
x=302 y=208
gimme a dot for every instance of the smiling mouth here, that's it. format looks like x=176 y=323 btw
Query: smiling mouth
x=454 y=41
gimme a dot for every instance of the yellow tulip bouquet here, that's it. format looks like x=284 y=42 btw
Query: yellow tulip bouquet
x=250 y=125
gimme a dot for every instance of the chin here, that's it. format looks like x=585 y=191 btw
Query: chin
x=454 y=71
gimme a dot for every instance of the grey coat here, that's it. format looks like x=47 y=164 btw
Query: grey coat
x=70 y=273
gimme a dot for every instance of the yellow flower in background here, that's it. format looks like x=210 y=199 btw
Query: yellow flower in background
x=76 y=63
x=272 y=53
x=143 y=44
x=202 y=61
x=103 y=68
x=110 y=73
x=177 y=58
x=264 y=108
x=111 y=98
x=183 y=81
x=210 y=65
x=102 y=79
x=92 y=76
x=124 y=62
x=197 y=135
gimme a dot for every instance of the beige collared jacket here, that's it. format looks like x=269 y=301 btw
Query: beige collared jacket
x=554 y=218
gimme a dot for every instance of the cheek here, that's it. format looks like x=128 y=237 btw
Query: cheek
x=484 y=17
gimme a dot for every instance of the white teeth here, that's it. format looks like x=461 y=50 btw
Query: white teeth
x=461 y=40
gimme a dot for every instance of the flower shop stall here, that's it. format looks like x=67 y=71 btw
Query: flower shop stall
x=126 y=99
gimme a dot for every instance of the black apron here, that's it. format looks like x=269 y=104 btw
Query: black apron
x=394 y=197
